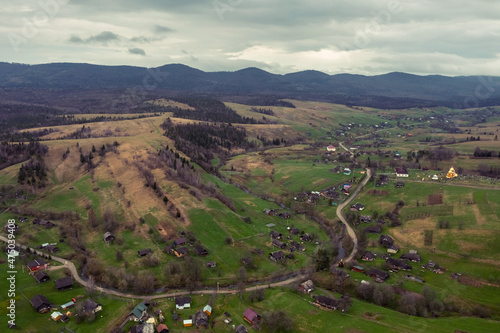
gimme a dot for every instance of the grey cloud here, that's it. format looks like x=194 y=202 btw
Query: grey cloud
x=103 y=38
x=137 y=51
x=159 y=29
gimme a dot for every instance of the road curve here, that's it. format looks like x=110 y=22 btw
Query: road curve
x=341 y=206
x=74 y=272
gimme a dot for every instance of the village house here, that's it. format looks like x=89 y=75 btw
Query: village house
x=360 y=269
x=67 y=305
x=382 y=180
x=37 y=264
x=9 y=226
x=201 y=250
x=278 y=244
x=89 y=306
x=252 y=317
x=211 y=264
x=365 y=218
x=373 y=229
x=275 y=235
x=40 y=303
x=179 y=241
x=357 y=207
x=182 y=303
x=52 y=249
x=400 y=184
x=241 y=329
x=326 y=302
x=339 y=273
x=306 y=287
x=207 y=309
x=181 y=252
x=393 y=249
x=294 y=231
x=377 y=274
x=368 y=256
x=386 y=240
x=162 y=328
x=200 y=319
x=401 y=172
x=277 y=256
x=305 y=237
x=64 y=284
x=331 y=148
x=44 y=223
x=297 y=246
x=108 y=237
x=413 y=257
x=144 y=252
x=41 y=276
x=398 y=264
x=140 y=312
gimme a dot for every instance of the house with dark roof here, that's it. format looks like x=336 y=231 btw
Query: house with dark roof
x=52 y=249
x=139 y=312
x=305 y=237
x=368 y=256
x=357 y=207
x=365 y=219
x=211 y=264
x=400 y=184
x=398 y=264
x=179 y=241
x=200 y=319
x=393 y=249
x=89 y=306
x=297 y=246
x=339 y=273
x=241 y=329
x=275 y=235
x=277 y=256
x=41 y=276
x=401 y=172
x=37 y=264
x=252 y=317
x=382 y=180
x=386 y=240
x=40 y=303
x=413 y=257
x=64 y=284
x=181 y=252
x=201 y=250
x=144 y=252
x=183 y=302
x=279 y=244
x=108 y=237
x=294 y=231
x=326 y=302
x=373 y=229
x=377 y=274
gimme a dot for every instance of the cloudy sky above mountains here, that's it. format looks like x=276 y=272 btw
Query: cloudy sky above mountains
x=449 y=37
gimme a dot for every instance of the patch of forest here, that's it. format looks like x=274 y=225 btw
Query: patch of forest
x=201 y=141
x=208 y=109
x=11 y=154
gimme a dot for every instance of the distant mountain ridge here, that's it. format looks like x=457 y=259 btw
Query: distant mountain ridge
x=392 y=88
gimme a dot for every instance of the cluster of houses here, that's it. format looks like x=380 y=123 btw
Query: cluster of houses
x=148 y=323
x=278 y=213
x=292 y=246
x=62 y=313
x=324 y=302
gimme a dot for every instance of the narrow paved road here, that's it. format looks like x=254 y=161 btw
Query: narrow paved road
x=68 y=264
x=340 y=207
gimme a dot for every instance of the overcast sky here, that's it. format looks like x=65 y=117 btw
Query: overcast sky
x=449 y=37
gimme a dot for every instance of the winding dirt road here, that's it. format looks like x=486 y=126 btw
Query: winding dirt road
x=72 y=268
x=340 y=207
